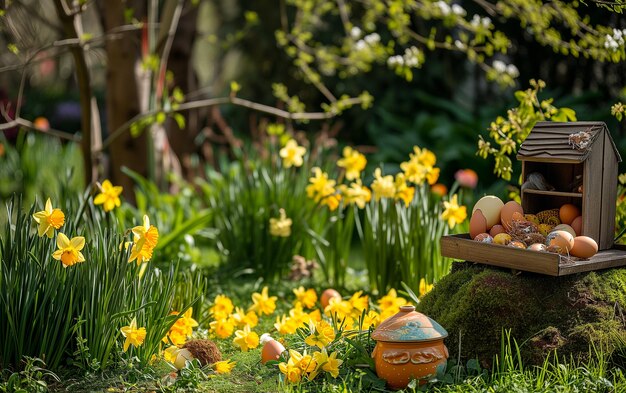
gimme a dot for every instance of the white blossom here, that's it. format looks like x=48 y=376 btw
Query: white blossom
x=360 y=45
x=372 y=39
x=499 y=66
x=443 y=7
x=512 y=71
x=458 y=10
x=355 y=33
x=459 y=44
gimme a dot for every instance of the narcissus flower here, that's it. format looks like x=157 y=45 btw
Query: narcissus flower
x=424 y=287
x=181 y=329
x=403 y=191
x=292 y=154
x=421 y=166
x=383 y=186
x=307 y=297
x=48 y=220
x=280 y=227
x=322 y=334
x=453 y=213
x=224 y=366
x=292 y=372
x=223 y=328
x=263 y=303
x=246 y=339
x=319 y=185
x=222 y=307
x=69 y=250
x=391 y=301
x=134 y=335
x=146 y=237
x=353 y=162
x=285 y=325
x=356 y=194
x=109 y=196
x=242 y=318
x=330 y=364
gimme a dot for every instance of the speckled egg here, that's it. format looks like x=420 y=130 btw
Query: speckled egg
x=562 y=239
x=502 y=239
x=484 y=238
x=538 y=247
x=566 y=228
x=517 y=244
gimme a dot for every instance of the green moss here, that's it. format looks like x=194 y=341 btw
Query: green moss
x=475 y=303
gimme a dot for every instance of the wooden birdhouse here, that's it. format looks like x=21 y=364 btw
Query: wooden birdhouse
x=562 y=164
x=572 y=163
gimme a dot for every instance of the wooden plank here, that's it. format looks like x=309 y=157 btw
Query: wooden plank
x=592 y=194
x=603 y=260
x=556 y=160
x=462 y=247
x=609 y=194
x=555 y=193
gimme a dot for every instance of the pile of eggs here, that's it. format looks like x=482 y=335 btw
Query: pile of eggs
x=492 y=221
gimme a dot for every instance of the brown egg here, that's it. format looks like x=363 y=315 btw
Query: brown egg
x=568 y=212
x=562 y=239
x=577 y=225
x=271 y=350
x=484 y=238
x=507 y=211
x=537 y=247
x=584 y=247
x=496 y=230
x=327 y=295
x=478 y=223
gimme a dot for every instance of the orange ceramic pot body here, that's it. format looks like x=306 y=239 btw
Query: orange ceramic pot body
x=400 y=362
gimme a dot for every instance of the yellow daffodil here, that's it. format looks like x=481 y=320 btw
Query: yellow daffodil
x=181 y=329
x=315 y=315
x=322 y=334
x=223 y=328
x=246 y=339
x=356 y=194
x=170 y=353
x=292 y=154
x=339 y=307
x=285 y=325
x=308 y=297
x=353 y=162
x=109 y=196
x=222 y=307
x=134 y=335
x=391 y=301
x=420 y=167
x=424 y=287
x=453 y=213
x=320 y=186
x=305 y=362
x=371 y=319
x=358 y=302
x=48 y=220
x=332 y=201
x=403 y=191
x=224 y=366
x=330 y=364
x=383 y=186
x=280 y=227
x=69 y=250
x=292 y=372
x=242 y=318
x=146 y=237
x=263 y=303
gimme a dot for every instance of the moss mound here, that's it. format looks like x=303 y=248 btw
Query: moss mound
x=475 y=303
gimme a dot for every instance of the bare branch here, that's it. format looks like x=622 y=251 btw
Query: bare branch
x=223 y=101
x=20 y=122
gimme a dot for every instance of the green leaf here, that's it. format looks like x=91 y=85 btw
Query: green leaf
x=180 y=120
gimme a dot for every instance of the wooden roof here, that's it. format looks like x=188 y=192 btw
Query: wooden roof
x=550 y=141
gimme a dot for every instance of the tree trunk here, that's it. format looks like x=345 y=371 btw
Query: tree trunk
x=122 y=101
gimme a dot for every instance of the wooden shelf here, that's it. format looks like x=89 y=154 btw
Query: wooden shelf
x=554 y=193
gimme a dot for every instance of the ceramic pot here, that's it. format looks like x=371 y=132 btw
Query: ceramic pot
x=409 y=346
